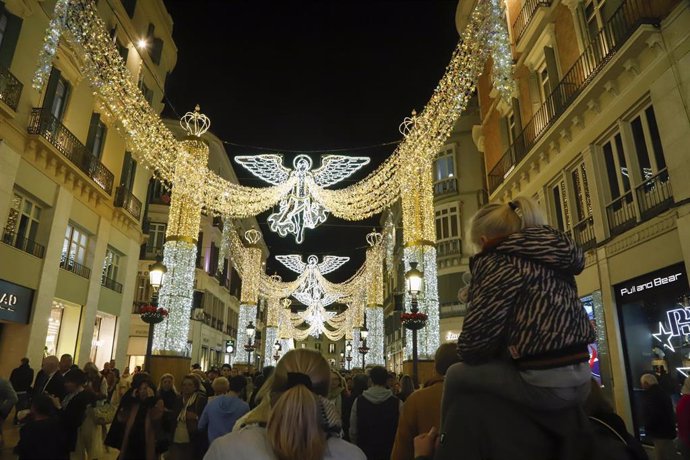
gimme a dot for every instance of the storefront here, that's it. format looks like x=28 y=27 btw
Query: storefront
x=103 y=339
x=654 y=314
x=63 y=328
x=15 y=302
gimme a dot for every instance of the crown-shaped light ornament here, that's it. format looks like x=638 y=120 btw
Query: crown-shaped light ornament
x=195 y=123
x=286 y=302
x=276 y=277
x=374 y=238
x=252 y=236
x=408 y=124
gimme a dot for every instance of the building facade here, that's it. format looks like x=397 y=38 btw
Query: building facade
x=459 y=192
x=71 y=194
x=217 y=284
x=597 y=133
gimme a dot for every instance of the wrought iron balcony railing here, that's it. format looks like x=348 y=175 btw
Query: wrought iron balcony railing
x=111 y=284
x=449 y=247
x=218 y=222
x=621 y=214
x=525 y=16
x=74 y=267
x=126 y=200
x=44 y=124
x=583 y=233
x=11 y=238
x=446 y=186
x=10 y=88
x=655 y=195
x=620 y=26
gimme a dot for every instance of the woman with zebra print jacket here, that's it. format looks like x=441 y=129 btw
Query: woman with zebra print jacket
x=526 y=332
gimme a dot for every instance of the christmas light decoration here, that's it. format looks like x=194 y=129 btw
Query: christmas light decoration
x=271 y=335
x=247 y=315
x=51 y=42
x=179 y=250
x=376 y=336
x=501 y=56
x=428 y=338
x=298 y=210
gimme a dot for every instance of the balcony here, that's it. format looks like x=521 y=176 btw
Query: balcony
x=451 y=310
x=621 y=214
x=525 y=16
x=44 y=124
x=446 y=186
x=10 y=89
x=11 y=238
x=654 y=195
x=126 y=200
x=72 y=266
x=624 y=21
x=448 y=248
x=111 y=284
x=583 y=233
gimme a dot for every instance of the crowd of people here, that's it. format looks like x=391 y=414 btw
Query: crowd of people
x=516 y=386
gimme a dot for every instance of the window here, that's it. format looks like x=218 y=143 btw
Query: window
x=616 y=167
x=148 y=93
x=331 y=348
x=156 y=48
x=544 y=83
x=560 y=205
x=583 y=202
x=23 y=219
x=75 y=246
x=444 y=166
x=57 y=93
x=317 y=346
x=96 y=137
x=594 y=16
x=156 y=238
x=447 y=226
x=130 y=6
x=648 y=149
x=129 y=171
x=512 y=127
x=10 y=26
x=122 y=50
x=111 y=264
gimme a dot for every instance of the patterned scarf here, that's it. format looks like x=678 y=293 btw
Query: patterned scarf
x=183 y=413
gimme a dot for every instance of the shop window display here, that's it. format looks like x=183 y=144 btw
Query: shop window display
x=654 y=311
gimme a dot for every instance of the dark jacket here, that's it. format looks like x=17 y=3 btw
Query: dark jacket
x=657 y=414
x=72 y=416
x=22 y=377
x=169 y=398
x=197 y=437
x=42 y=439
x=136 y=445
x=375 y=417
x=523 y=300
x=55 y=385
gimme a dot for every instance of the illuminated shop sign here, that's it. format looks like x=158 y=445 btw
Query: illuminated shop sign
x=658 y=281
x=15 y=302
x=452 y=336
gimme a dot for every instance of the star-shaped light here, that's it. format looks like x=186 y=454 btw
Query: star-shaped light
x=667 y=336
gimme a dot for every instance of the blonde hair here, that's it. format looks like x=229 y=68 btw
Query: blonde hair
x=220 y=385
x=496 y=220
x=172 y=379
x=294 y=424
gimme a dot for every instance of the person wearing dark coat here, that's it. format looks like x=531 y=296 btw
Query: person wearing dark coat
x=49 y=380
x=72 y=408
x=658 y=417
x=139 y=430
x=21 y=379
x=41 y=438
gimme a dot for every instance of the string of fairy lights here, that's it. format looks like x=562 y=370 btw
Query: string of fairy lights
x=302 y=193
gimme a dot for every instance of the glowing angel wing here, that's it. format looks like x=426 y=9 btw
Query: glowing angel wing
x=293 y=262
x=335 y=168
x=266 y=167
x=332 y=263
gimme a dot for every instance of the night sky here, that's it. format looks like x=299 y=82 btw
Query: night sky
x=292 y=76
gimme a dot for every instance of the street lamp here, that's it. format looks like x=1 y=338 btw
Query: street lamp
x=153 y=315
x=249 y=347
x=414 y=280
x=342 y=360
x=277 y=347
x=348 y=347
x=364 y=349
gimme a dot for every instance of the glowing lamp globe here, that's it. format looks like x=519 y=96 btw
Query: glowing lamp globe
x=364 y=333
x=414 y=280
x=156 y=273
x=251 y=330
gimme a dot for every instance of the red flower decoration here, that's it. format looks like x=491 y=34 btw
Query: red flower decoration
x=413 y=317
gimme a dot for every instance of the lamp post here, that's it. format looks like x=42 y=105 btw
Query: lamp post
x=342 y=360
x=278 y=348
x=249 y=347
x=348 y=347
x=156 y=273
x=364 y=349
x=414 y=279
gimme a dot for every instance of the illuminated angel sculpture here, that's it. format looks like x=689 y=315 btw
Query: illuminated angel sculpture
x=299 y=210
x=311 y=293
